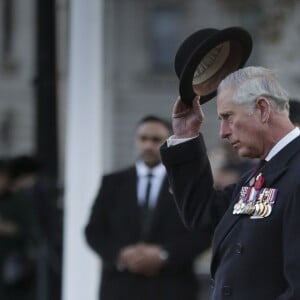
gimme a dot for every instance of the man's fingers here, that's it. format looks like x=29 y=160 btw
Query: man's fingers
x=178 y=107
x=197 y=108
x=180 y=114
x=196 y=103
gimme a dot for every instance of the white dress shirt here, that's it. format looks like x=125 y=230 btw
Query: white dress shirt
x=158 y=174
x=283 y=142
x=172 y=141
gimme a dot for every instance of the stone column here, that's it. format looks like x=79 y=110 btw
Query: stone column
x=83 y=154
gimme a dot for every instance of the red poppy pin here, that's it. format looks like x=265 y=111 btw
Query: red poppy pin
x=259 y=181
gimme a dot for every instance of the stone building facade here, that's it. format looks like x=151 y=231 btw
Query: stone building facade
x=140 y=40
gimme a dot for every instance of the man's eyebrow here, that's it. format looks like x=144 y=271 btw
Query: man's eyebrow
x=224 y=114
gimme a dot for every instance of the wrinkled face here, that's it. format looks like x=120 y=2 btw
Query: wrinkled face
x=241 y=127
x=149 y=137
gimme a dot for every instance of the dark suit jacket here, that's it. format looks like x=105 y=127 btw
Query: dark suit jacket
x=252 y=258
x=115 y=223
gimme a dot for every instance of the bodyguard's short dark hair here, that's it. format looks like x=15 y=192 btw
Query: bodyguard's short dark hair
x=294 y=111
x=152 y=118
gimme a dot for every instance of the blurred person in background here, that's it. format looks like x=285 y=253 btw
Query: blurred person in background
x=227 y=167
x=295 y=112
x=134 y=226
x=18 y=235
x=28 y=181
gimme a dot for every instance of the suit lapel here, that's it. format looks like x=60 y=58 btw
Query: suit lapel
x=278 y=165
x=130 y=193
x=271 y=171
x=162 y=202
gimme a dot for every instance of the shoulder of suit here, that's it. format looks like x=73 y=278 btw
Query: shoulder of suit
x=120 y=173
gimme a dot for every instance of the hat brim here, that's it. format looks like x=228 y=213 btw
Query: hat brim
x=240 y=50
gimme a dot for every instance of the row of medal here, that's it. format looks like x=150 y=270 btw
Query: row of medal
x=254 y=200
x=256 y=210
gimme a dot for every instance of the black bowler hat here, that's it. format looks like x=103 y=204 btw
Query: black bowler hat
x=206 y=57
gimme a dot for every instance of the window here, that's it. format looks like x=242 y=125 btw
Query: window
x=7 y=9
x=165 y=26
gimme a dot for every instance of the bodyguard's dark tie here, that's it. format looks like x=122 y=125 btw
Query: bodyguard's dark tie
x=146 y=210
x=148 y=191
x=147 y=194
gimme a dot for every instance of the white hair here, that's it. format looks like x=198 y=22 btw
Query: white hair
x=250 y=83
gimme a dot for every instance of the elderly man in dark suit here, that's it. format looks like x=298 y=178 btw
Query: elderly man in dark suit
x=256 y=243
x=135 y=228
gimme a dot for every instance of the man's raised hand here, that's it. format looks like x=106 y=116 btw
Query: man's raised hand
x=186 y=120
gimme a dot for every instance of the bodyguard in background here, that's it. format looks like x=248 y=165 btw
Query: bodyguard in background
x=134 y=227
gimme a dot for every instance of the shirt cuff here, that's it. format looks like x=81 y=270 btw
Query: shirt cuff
x=172 y=140
x=163 y=255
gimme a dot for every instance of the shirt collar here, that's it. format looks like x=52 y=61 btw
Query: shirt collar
x=143 y=170
x=283 y=142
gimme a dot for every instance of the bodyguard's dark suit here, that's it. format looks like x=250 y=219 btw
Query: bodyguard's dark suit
x=115 y=223
x=253 y=259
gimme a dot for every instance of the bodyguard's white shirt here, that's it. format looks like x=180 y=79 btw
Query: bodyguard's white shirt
x=158 y=173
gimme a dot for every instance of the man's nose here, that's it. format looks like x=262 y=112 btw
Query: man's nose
x=150 y=145
x=224 y=130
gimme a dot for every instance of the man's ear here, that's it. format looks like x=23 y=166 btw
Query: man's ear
x=263 y=105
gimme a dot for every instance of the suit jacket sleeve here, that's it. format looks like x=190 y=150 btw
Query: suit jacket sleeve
x=190 y=177
x=291 y=246
x=186 y=247
x=97 y=231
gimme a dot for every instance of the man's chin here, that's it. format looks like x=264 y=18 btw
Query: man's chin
x=245 y=153
x=242 y=152
x=151 y=163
